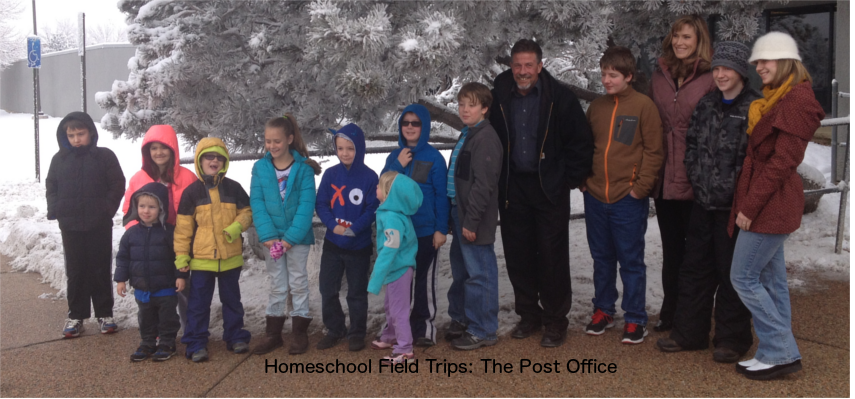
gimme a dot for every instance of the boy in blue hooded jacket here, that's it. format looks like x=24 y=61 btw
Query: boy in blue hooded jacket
x=346 y=203
x=422 y=163
x=396 y=257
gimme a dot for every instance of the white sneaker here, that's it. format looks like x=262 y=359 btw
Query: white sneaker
x=107 y=325
x=73 y=328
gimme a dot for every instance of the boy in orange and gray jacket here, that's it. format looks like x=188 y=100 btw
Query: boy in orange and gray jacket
x=627 y=156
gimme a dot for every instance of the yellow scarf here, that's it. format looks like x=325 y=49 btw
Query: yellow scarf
x=760 y=107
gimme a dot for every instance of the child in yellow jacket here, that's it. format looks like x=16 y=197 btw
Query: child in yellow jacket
x=212 y=214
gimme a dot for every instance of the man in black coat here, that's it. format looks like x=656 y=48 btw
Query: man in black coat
x=548 y=151
x=85 y=185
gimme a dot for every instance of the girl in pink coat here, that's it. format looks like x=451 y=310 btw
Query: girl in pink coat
x=160 y=164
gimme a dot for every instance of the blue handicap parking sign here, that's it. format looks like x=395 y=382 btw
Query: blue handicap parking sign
x=34 y=52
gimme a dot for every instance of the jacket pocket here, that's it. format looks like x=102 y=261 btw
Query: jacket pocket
x=632 y=178
x=464 y=163
x=624 y=130
x=421 y=171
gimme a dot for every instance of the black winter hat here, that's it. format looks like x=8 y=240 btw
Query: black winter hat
x=733 y=55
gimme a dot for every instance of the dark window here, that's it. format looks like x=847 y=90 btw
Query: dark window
x=813 y=29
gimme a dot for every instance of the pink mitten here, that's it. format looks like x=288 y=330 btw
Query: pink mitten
x=277 y=250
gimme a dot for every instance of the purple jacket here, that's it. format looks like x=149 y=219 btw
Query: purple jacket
x=675 y=110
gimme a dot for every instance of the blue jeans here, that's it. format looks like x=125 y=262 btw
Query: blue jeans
x=759 y=276
x=473 y=298
x=616 y=234
x=288 y=274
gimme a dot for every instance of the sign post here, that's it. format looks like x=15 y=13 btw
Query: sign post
x=34 y=61
x=81 y=51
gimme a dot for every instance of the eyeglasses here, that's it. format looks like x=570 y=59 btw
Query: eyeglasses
x=411 y=123
x=210 y=156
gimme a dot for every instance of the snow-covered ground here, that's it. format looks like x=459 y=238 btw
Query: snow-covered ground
x=33 y=243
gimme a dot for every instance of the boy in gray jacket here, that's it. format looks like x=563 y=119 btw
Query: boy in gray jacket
x=473 y=179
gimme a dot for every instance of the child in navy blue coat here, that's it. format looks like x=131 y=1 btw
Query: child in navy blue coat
x=146 y=258
x=346 y=202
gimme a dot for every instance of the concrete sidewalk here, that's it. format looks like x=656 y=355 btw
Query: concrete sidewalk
x=34 y=361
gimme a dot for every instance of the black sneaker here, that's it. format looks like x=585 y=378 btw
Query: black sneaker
x=356 y=344
x=424 y=342
x=524 y=330
x=553 y=336
x=469 y=342
x=455 y=330
x=142 y=353
x=633 y=333
x=200 y=355
x=724 y=354
x=600 y=321
x=163 y=353
x=327 y=342
x=774 y=371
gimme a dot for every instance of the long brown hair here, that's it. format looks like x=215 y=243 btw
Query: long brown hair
x=289 y=126
x=787 y=67
x=154 y=171
x=677 y=67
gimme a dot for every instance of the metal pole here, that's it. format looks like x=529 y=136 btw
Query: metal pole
x=844 y=199
x=834 y=141
x=36 y=105
x=81 y=50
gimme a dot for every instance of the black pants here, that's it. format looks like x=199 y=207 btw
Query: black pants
x=673 y=217
x=424 y=291
x=334 y=266
x=88 y=263
x=158 y=318
x=535 y=235
x=704 y=280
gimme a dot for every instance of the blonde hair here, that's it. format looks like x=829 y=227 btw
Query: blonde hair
x=386 y=181
x=787 y=67
x=289 y=126
x=704 y=51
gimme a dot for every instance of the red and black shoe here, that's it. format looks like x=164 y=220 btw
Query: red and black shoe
x=600 y=321
x=633 y=333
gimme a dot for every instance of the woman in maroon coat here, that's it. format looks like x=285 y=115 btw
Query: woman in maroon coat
x=682 y=79
x=769 y=201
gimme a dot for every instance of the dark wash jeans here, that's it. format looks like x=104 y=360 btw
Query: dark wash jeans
x=335 y=264
x=616 y=234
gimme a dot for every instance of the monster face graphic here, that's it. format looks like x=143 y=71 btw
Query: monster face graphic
x=355 y=196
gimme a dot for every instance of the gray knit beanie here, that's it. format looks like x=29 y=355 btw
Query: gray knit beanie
x=733 y=55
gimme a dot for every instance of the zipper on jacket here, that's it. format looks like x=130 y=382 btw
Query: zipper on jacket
x=606 y=155
x=543 y=144
x=632 y=179
x=145 y=263
x=508 y=167
x=213 y=220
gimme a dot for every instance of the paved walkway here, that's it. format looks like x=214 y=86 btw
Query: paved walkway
x=35 y=362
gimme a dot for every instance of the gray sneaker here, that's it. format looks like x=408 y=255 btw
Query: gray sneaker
x=240 y=347
x=200 y=355
x=469 y=342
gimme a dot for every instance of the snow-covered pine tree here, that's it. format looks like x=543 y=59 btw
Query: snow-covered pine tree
x=221 y=68
x=12 y=43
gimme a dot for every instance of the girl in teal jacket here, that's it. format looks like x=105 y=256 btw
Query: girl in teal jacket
x=282 y=197
x=400 y=198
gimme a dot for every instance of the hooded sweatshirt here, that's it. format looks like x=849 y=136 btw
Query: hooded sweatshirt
x=84 y=185
x=348 y=197
x=145 y=253
x=181 y=176
x=397 y=251
x=428 y=169
x=210 y=207
x=288 y=219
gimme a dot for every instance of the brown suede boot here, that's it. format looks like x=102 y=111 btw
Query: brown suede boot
x=272 y=335
x=299 y=335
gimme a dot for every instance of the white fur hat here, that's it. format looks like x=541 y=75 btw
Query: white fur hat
x=775 y=46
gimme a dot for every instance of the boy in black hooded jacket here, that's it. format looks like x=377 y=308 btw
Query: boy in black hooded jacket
x=147 y=258
x=85 y=185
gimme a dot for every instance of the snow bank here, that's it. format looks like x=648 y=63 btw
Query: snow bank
x=34 y=244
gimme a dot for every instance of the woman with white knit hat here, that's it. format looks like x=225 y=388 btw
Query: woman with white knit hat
x=769 y=201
